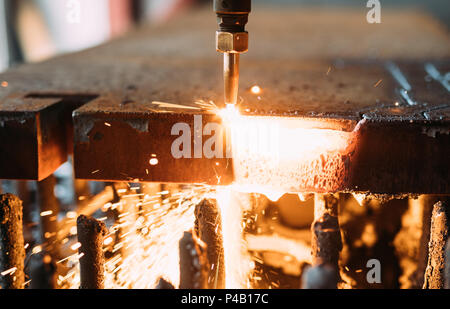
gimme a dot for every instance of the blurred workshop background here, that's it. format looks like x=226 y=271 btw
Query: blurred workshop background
x=34 y=30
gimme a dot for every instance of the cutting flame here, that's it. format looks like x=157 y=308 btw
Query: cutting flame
x=229 y=114
x=297 y=155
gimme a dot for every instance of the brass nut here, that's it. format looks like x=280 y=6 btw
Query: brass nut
x=229 y=42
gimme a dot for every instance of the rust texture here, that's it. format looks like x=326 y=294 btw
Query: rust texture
x=326 y=240
x=193 y=263
x=208 y=227
x=407 y=159
x=92 y=264
x=329 y=80
x=12 y=253
x=130 y=144
x=447 y=266
x=435 y=271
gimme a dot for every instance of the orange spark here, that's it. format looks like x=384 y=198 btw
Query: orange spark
x=46 y=213
x=256 y=89
x=377 y=83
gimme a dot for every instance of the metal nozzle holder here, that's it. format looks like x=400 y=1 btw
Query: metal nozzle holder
x=228 y=42
x=232 y=39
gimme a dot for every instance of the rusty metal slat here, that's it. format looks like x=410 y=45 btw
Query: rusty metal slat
x=401 y=157
x=118 y=146
x=35 y=134
x=31 y=138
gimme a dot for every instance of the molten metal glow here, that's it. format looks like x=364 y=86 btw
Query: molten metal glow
x=230 y=114
x=360 y=198
x=296 y=155
x=238 y=264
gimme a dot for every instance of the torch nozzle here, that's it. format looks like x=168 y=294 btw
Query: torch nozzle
x=232 y=40
x=231 y=77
